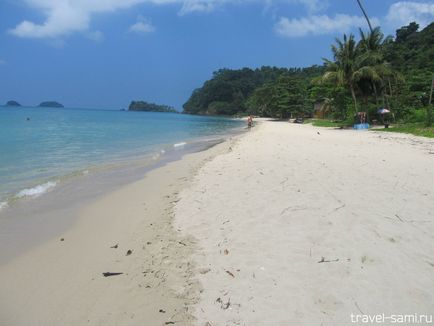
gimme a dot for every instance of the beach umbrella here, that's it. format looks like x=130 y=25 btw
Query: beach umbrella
x=383 y=111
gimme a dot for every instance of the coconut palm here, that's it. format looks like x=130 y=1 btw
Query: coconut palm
x=342 y=71
x=371 y=56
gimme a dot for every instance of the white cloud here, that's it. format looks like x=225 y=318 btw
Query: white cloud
x=96 y=36
x=142 y=26
x=314 y=5
x=65 y=17
x=190 y=6
x=206 y=6
x=402 y=13
x=319 y=24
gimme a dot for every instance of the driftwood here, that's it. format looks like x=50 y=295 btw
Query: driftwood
x=323 y=260
x=108 y=274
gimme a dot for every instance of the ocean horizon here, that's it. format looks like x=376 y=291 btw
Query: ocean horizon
x=42 y=147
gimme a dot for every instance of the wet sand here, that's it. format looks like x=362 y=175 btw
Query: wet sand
x=128 y=231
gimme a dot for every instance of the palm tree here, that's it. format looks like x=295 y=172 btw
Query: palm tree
x=371 y=56
x=342 y=71
x=370 y=46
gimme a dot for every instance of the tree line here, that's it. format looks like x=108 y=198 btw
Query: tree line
x=364 y=74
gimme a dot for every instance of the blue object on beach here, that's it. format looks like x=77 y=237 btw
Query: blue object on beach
x=361 y=126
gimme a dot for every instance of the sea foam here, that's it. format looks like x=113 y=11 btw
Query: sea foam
x=36 y=191
x=3 y=205
x=179 y=145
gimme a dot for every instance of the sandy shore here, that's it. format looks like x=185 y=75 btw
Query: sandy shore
x=60 y=282
x=286 y=225
x=305 y=226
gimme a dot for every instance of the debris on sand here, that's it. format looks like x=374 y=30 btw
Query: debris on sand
x=224 y=305
x=204 y=270
x=230 y=273
x=108 y=274
x=323 y=260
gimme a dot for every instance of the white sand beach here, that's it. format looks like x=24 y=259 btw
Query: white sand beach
x=285 y=225
x=304 y=226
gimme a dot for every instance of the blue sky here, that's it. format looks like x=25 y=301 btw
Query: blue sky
x=105 y=53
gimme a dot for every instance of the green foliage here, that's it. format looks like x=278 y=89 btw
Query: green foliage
x=414 y=116
x=330 y=123
x=412 y=55
x=379 y=72
x=325 y=123
x=150 y=107
x=51 y=104
x=418 y=129
x=403 y=33
x=364 y=75
x=283 y=98
x=247 y=91
x=12 y=103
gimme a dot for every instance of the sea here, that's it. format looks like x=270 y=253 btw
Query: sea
x=43 y=149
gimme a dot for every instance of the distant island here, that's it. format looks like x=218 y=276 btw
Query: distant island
x=12 y=103
x=150 y=107
x=51 y=104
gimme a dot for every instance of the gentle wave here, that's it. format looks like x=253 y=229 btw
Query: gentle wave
x=3 y=205
x=36 y=191
x=179 y=145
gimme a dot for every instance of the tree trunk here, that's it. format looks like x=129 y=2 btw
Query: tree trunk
x=429 y=109
x=390 y=93
x=365 y=14
x=375 y=94
x=353 y=94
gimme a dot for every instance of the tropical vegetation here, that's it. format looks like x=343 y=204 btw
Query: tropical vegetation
x=150 y=107
x=365 y=73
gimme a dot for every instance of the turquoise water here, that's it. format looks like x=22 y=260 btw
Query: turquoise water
x=38 y=145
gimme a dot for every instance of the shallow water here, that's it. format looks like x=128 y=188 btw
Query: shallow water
x=40 y=148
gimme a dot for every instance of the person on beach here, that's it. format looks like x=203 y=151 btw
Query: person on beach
x=250 y=121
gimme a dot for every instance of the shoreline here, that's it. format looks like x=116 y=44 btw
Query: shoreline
x=26 y=221
x=87 y=142
x=69 y=265
x=286 y=224
x=149 y=159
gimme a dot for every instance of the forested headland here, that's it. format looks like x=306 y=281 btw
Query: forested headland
x=365 y=73
x=150 y=107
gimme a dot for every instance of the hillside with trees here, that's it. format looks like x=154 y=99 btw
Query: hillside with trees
x=231 y=92
x=50 y=104
x=150 y=107
x=364 y=74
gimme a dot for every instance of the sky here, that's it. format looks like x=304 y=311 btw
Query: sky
x=105 y=53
